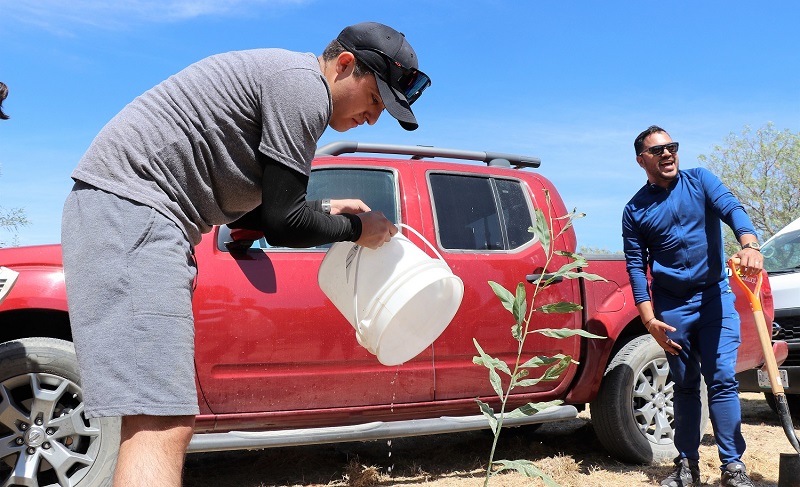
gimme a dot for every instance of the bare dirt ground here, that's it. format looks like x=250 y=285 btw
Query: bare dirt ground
x=567 y=451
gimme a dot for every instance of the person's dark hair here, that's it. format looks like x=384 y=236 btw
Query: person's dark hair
x=332 y=52
x=638 y=144
x=3 y=95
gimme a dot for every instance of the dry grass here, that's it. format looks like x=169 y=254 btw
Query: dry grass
x=567 y=451
x=358 y=475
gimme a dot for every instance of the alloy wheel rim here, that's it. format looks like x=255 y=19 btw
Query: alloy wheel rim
x=45 y=439
x=653 y=409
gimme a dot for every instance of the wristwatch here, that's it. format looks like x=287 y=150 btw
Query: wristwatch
x=326 y=206
x=752 y=245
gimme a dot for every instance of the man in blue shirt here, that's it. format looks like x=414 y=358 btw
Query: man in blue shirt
x=673 y=226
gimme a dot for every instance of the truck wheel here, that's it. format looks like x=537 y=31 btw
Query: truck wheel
x=633 y=414
x=792 y=400
x=46 y=439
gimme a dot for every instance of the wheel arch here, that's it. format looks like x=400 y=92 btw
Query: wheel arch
x=599 y=353
x=34 y=322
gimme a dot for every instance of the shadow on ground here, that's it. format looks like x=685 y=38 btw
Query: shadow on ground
x=426 y=459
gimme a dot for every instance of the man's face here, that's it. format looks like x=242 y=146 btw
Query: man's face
x=355 y=100
x=661 y=169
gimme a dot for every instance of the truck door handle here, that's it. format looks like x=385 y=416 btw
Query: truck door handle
x=535 y=277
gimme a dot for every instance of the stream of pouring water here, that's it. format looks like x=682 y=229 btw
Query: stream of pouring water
x=394 y=395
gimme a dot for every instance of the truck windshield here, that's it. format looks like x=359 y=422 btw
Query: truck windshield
x=782 y=253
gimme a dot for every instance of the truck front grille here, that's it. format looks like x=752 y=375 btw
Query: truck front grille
x=790 y=333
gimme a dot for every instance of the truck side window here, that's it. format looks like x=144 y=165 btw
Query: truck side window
x=375 y=187
x=480 y=213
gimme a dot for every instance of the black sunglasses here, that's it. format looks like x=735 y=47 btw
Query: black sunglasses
x=409 y=81
x=657 y=150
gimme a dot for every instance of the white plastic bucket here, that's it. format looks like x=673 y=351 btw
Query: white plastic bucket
x=398 y=299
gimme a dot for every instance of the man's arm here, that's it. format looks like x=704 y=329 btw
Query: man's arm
x=635 y=249
x=636 y=263
x=731 y=211
x=288 y=220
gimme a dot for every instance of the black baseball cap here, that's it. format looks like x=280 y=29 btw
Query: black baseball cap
x=387 y=53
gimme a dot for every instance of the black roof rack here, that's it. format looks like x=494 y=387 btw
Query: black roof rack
x=497 y=159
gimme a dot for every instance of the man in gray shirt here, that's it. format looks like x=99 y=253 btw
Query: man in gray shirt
x=228 y=140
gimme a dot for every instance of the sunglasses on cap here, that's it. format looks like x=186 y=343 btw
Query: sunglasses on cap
x=657 y=150
x=409 y=81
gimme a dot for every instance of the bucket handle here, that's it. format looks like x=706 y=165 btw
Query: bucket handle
x=357 y=321
x=412 y=230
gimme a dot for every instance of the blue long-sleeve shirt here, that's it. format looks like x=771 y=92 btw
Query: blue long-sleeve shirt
x=677 y=233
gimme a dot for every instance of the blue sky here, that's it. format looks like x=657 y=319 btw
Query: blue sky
x=571 y=82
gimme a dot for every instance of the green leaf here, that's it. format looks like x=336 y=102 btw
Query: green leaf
x=491 y=364
x=573 y=256
x=527 y=382
x=570 y=219
x=565 y=227
x=527 y=468
x=566 y=268
x=539 y=361
x=531 y=408
x=497 y=384
x=488 y=412
x=554 y=371
x=488 y=361
x=520 y=304
x=520 y=381
x=516 y=331
x=504 y=294
x=556 y=366
x=484 y=358
x=542 y=230
x=565 y=333
x=560 y=307
x=585 y=275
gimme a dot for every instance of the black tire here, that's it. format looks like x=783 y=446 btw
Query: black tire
x=42 y=420
x=632 y=414
x=792 y=400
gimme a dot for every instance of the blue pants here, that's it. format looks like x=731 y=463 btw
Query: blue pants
x=708 y=330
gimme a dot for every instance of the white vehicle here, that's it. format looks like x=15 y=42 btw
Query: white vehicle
x=782 y=263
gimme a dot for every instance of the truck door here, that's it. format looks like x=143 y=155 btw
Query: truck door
x=268 y=339
x=481 y=224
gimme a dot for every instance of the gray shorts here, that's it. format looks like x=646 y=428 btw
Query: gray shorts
x=129 y=272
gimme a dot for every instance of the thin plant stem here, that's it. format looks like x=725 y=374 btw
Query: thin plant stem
x=520 y=345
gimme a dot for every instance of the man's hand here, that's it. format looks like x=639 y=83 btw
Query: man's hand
x=348 y=206
x=376 y=229
x=659 y=330
x=751 y=262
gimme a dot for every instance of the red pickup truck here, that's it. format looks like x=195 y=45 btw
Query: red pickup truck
x=278 y=365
